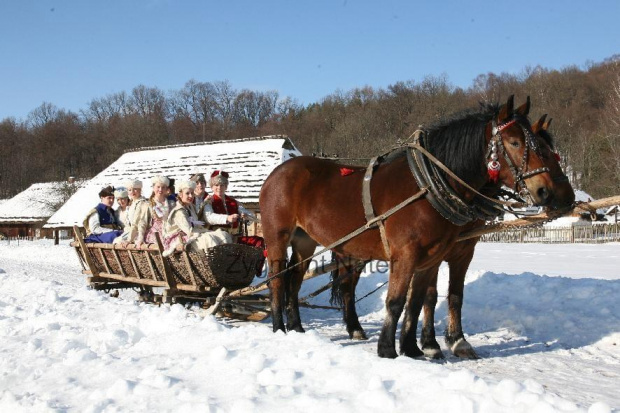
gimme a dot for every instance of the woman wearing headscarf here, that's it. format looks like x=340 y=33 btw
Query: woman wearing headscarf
x=138 y=205
x=183 y=227
x=151 y=217
x=121 y=213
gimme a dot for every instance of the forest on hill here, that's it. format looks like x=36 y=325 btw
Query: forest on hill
x=53 y=144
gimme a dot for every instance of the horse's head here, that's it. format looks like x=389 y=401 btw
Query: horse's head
x=515 y=155
x=562 y=189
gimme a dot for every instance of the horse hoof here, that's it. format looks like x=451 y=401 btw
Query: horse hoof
x=387 y=353
x=462 y=349
x=298 y=329
x=358 y=335
x=433 y=353
x=415 y=353
x=279 y=328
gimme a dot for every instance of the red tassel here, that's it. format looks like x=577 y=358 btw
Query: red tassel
x=557 y=156
x=346 y=171
x=493 y=169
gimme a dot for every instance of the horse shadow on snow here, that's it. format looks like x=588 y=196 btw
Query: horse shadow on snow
x=507 y=314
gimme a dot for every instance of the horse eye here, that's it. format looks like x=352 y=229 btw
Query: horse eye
x=515 y=144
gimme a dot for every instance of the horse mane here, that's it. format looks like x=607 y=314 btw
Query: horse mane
x=459 y=143
x=547 y=137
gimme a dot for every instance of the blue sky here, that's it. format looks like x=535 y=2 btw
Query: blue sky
x=69 y=52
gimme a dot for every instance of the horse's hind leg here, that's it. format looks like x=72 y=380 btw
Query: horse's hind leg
x=454 y=332
x=303 y=247
x=428 y=340
x=345 y=283
x=400 y=278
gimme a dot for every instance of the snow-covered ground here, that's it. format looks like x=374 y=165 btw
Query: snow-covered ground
x=544 y=318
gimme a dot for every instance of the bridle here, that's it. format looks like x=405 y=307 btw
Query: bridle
x=519 y=173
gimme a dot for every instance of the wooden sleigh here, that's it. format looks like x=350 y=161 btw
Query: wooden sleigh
x=219 y=278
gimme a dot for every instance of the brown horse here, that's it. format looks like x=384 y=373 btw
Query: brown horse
x=460 y=255
x=308 y=201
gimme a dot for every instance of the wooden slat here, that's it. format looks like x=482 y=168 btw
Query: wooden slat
x=85 y=253
x=150 y=261
x=139 y=281
x=134 y=265
x=188 y=264
x=103 y=259
x=168 y=276
x=118 y=261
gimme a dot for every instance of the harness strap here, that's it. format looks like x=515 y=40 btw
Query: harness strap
x=367 y=203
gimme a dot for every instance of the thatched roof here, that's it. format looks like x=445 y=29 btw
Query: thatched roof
x=35 y=204
x=249 y=162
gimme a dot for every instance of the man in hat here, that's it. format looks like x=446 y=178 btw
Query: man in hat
x=100 y=223
x=224 y=211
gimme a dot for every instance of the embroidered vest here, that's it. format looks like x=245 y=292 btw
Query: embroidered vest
x=106 y=218
x=229 y=207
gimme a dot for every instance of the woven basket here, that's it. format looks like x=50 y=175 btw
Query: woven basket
x=232 y=266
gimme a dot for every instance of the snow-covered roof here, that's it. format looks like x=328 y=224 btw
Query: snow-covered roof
x=249 y=162
x=35 y=204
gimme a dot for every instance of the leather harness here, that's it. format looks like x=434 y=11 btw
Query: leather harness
x=426 y=170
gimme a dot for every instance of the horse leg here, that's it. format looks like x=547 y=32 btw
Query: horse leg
x=454 y=331
x=400 y=278
x=347 y=289
x=428 y=340
x=276 y=252
x=415 y=299
x=303 y=247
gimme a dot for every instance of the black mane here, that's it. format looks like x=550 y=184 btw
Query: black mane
x=459 y=142
x=547 y=137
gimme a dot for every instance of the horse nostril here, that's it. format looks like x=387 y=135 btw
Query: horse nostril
x=544 y=195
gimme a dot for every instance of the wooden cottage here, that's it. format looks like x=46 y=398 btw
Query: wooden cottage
x=249 y=162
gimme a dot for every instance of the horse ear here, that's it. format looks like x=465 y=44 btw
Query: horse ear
x=547 y=124
x=539 y=124
x=524 y=109
x=506 y=110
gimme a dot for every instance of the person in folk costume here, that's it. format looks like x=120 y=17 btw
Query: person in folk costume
x=225 y=212
x=200 y=193
x=151 y=219
x=121 y=213
x=137 y=207
x=184 y=228
x=100 y=223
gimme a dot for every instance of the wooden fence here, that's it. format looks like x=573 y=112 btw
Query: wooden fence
x=589 y=234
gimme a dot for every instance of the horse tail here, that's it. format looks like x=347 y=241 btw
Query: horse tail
x=336 y=298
